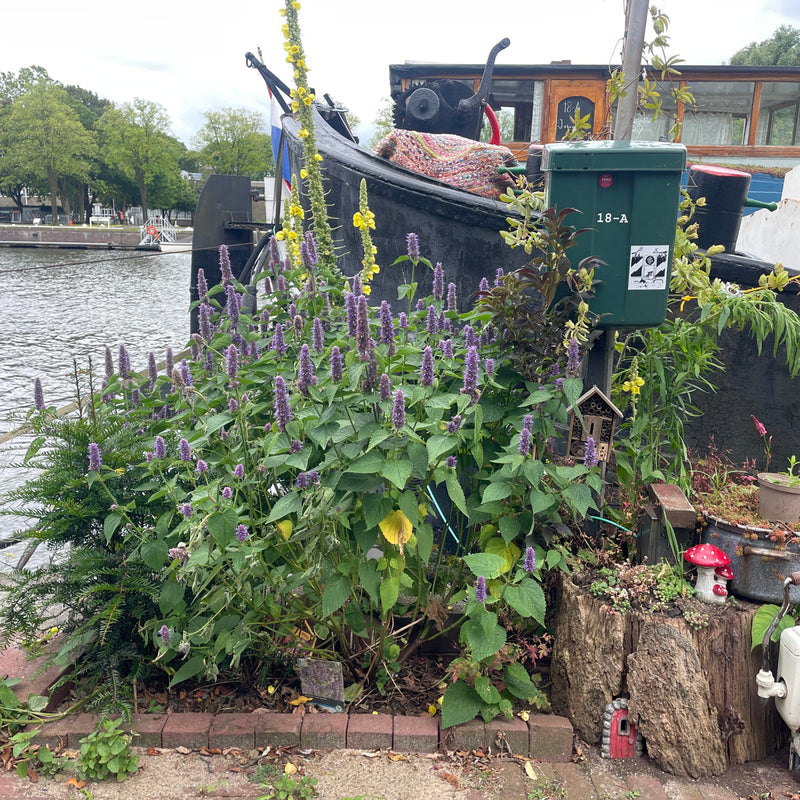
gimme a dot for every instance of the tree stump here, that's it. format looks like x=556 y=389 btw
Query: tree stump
x=691 y=691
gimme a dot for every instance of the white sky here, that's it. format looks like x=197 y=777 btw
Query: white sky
x=189 y=56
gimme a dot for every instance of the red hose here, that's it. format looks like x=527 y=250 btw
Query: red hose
x=490 y=115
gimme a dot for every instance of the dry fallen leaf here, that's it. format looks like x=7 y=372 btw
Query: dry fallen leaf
x=290 y=768
x=76 y=783
x=184 y=751
x=530 y=771
x=151 y=751
x=397 y=757
x=450 y=778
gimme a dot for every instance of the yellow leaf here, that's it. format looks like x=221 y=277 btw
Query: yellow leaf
x=290 y=768
x=524 y=716
x=285 y=527
x=396 y=528
x=299 y=701
x=432 y=710
x=530 y=771
x=397 y=757
x=270 y=690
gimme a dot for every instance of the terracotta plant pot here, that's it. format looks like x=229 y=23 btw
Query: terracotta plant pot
x=778 y=499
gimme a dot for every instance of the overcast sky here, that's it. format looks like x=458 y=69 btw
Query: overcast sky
x=189 y=56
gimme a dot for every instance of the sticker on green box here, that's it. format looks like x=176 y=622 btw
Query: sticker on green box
x=648 y=267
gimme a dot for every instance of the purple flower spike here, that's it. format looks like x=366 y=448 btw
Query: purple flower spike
x=295 y=446
x=499 y=278
x=454 y=424
x=169 y=362
x=38 y=395
x=385 y=387
x=274 y=252
x=184 y=450
x=362 y=326
x=480 y=589
x=201 y=466
x=124 y=362
x=573 y=358
x=227 y=492
x=186 y=375
x=451 y=461
x=204 y=317
x=278 y=344
x=238 y=471
x=232 y=363
x=452 y=304
x=109 y=362
x=447 y=348
x=399 y=410
x=306 y=375
x=402 y=320
x=412 y=245
x=312 y=248
x=317 y=335
x=438 y=281
x=483 y=286
x=470 y=386
x=298 y=324
x=225 y=265
x=426 y=368
x=350 y=313
x=187 y=510
x=95 y=457
x=283 y=414
x=152 y=370
x=357 y=287
x=202 y=284
x=160 y=448
x=232 y=304
x=165 y=634
x=241 y=532
x=489 y=366
x=233 y=405
x=470 y=337
x=431 y=323
x=590 y=453
x=387 y=325
x=525 y=435
x=337 y=366
x=420 y=305
x=530 y=561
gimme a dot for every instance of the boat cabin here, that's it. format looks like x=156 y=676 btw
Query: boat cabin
x=744 y=115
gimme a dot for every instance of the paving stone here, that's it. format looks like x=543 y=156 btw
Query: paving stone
x=573 y=778
x=232 y=730
x=149 y=728
x=83 y=725
x=648 y=788
x=550 y=738
x=416 y=735
x=514 y=731
x=55 y=734
x=187 y=730
x=324 y=731
x=370 y=731
x=15 y=664
x=468 y=736
x=278 y=730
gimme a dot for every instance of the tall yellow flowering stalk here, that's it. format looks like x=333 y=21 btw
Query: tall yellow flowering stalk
x=364 y=220
x=302 y=98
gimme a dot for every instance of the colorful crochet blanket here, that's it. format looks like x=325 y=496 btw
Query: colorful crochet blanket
x=463 y=163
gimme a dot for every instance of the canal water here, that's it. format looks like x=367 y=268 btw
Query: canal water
x=64 y=306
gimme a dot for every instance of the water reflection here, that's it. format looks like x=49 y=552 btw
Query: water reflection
x=61 y=306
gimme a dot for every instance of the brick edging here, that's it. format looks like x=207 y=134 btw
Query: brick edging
x=544 y=737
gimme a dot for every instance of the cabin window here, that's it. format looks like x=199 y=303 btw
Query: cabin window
x=778 y=114
x=518 y=106
x=720 y=115
x=647 y=129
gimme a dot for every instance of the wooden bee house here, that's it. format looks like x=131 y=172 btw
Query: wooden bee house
x=597 y=418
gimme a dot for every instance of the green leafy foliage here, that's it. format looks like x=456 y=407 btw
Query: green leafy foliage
x=106 y=753
x=763 y=618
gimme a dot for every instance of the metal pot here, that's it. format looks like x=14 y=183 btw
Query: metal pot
x=759 y=565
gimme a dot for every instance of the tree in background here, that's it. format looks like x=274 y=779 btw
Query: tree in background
x=135 y=139
x=781 y=49
x=384 y=123
x=233 y=141
x=46 y=143
x=13 y=85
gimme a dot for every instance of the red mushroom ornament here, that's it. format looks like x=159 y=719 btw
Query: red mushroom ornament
x=707 y=559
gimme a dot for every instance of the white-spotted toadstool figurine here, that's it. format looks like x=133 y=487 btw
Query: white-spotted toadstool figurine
x=707 y=559
x=721 y=577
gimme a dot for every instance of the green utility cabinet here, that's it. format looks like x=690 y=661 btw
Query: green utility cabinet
x=626 y=195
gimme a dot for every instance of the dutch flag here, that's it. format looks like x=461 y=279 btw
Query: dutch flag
x=275 y=135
